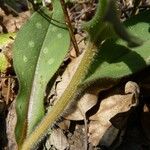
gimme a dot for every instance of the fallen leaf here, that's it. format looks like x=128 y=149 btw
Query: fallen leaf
x=10 y=127
x=58 y=139
x=77 y=140
x=83 y=105
x=12 y=23
x=100 y=125
x=64 y=125
x=101 y=134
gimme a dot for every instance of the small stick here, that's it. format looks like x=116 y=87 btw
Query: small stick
x=135 y=7
x=7 y=77
x=8 y=91
x=70 y=27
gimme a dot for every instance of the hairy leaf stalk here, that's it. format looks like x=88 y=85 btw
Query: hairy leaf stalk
x=99 y=29
x=70 y=91
x=64 y=100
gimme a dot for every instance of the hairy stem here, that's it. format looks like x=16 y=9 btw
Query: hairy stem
x=64 y=100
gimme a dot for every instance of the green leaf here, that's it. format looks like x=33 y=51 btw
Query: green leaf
x=112 y=17
x=5 y=39
x=106 y=24
x=115 y=60
x=39 y=50
x=3 y=63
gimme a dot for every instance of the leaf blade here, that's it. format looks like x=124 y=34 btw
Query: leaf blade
x=35 y=50
x=116 y=60
x=21 y=52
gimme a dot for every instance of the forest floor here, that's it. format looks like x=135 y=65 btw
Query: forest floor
x=83 y=129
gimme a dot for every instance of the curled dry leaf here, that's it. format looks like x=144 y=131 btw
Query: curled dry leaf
x=100 y=127
x=101 y=134
x=83 y=105
x=64 y=125
x=58 y=139
x=133 y=88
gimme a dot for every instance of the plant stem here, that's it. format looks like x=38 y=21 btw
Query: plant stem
x=64 y=100
x=74 y=42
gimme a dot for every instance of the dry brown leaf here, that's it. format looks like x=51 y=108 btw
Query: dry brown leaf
x=7 y=50
x=10 y=127
x=12 y=23
x=83 y=105
x=101 y=134
x=77 y=140
x=64 y=125
x=6 y=90
x=58 y=139
x=100 y=125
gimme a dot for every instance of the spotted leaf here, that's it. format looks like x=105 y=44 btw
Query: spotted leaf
x=39 y=49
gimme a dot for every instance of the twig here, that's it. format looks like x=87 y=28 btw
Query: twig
x=135 y=8
x=74 y=42
x=7 y=77
x=8 y=91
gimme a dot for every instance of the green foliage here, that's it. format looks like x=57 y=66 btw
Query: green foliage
x=106 y=24
x=4 y=40
x=42 y=44
x=3 y=63
x=39 y=49
x=115 y=59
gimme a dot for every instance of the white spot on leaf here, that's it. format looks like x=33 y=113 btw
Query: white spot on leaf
x=31 y=44
x=51 y=61
x=37 y=69
x=38 y=25
x=25 y=59
x=59 y=35
x=45 y=50
x=148 y=60
x=54 y=29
